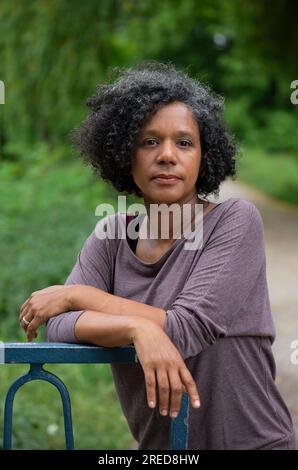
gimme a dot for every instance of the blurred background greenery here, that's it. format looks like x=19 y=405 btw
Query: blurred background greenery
x=53 y=54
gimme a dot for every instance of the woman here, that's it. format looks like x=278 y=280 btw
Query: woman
x=200 y=318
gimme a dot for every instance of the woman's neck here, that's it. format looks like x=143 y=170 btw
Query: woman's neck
x=166 y=226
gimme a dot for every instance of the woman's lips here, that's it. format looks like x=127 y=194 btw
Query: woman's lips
x=166 y=180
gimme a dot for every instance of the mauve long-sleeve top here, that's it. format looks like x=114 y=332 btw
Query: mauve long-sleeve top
x=217 y=315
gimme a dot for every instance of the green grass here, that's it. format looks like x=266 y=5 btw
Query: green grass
x=275 y=174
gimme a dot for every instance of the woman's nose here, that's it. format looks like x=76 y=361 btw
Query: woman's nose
x=167 y=152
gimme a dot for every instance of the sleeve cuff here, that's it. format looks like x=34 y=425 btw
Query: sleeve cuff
x=61 y=328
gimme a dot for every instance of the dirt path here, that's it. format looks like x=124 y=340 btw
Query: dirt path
x=281 y=238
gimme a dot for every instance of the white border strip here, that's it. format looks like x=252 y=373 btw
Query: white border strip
x=2 y=352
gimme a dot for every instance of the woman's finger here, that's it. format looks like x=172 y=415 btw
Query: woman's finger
x=150 y=382
x=26 y=313
x=25 y=321
x=32 y=327
x=163 y=391
x=23 y=306
x=176 y=389
x=191 y=387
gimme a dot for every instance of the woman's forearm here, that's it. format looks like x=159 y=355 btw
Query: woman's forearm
x=90 y=298
x=102 y=329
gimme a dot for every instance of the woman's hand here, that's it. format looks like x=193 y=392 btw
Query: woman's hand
x=161 y=360
x=41 y=305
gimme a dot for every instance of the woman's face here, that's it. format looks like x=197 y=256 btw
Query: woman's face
x=169 y=143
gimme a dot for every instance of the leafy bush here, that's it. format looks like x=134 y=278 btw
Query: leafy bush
x=280 y=131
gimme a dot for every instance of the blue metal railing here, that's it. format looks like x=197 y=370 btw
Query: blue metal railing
x=38 y=354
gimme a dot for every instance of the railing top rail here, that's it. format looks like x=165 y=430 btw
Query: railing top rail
x=64 y=353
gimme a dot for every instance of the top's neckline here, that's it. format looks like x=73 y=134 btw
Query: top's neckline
x=171 y=248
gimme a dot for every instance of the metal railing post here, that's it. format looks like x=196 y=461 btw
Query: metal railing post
x=38 y=354
x=37 y=372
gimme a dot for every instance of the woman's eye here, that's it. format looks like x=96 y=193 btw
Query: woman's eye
x=185 y=142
